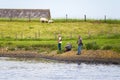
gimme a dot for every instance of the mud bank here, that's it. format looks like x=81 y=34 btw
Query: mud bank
x=88 y=56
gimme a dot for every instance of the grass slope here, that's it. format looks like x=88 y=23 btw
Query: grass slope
x=43 y=36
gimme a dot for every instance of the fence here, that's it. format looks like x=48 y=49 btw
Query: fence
x=71 y=35
x=85 y=18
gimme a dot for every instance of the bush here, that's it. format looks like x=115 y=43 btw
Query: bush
x=11 y=49
x=21 y=46
x=9 y=43
x=114 y=36
x=92 y=45
x=31 y=27
x=0 y=45
x=117 y=48
x=107 y=47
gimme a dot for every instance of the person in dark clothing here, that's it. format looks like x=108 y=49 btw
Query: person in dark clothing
x=80 y=44
x=68 y=47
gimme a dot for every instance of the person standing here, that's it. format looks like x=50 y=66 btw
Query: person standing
x=80 y=44
x=59 y=42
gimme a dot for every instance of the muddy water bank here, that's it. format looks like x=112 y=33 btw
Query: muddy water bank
x=90 y=56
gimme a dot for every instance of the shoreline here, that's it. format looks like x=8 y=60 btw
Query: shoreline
x=87 y=56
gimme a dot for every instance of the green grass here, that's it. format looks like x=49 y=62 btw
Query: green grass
x=30 y=30
x=110 y=21
x=43 y=36
x=49 y=45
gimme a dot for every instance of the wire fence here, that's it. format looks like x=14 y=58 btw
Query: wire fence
x=71 y=35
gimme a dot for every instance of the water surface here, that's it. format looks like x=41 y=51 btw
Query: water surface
x=31 y=69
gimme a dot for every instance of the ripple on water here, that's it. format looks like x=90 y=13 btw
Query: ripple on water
x=31 y=69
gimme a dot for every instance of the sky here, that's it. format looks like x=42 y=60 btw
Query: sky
x=93 y=9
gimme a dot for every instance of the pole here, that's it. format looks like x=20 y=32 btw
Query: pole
x=66 y=17
x=105 y=18
x=85 y=17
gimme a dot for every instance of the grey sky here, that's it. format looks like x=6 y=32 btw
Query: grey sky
x=74 y=8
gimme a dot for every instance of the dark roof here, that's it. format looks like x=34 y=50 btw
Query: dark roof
x=24 y=13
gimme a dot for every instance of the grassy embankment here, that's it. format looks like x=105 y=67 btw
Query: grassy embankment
x=24 y=35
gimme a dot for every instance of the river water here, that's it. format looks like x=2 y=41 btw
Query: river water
x=40 y=69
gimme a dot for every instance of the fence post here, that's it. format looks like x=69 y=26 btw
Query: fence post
x=89 y=34
x=21 y=35
x=11 y=16
x=16 y=36
x=108 y=34
x=105 y=18
x=66 y=17
x=38 y=34
x=9 y=36
x=71 y=35
x=2 y=36
x=85 y=17
x=35 y=35
x=114 y=30
x=55 y=35
x=29 y=17
x=101 y=32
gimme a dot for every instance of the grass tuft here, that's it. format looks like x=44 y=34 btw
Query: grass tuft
x=92 y=45
x=107 y=47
